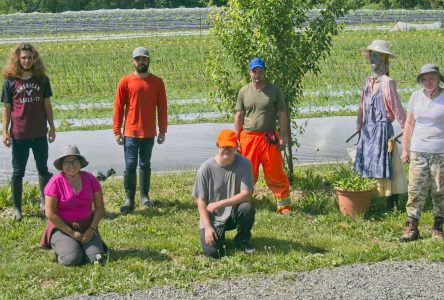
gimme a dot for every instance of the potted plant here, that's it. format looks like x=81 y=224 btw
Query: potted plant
x=354 y=192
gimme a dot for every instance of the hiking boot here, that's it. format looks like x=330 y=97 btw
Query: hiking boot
x=437 y=229
x=411 y=232
x=245 y=247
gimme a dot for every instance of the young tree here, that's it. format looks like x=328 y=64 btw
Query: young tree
x=283 y=33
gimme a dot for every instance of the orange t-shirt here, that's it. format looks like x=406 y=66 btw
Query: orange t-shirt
x=138 y=99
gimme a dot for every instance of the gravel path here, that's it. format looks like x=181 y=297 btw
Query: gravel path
x=383 y=280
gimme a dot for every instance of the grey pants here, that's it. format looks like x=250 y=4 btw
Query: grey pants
x=71 y=252
x=425 y=169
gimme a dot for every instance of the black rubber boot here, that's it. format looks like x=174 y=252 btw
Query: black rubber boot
x=144 y=186
x=129 y=183
x=392 y=202
x=16 y=194
x=43 y=180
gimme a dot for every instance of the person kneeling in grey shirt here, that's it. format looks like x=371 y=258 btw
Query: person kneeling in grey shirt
x=223 y=189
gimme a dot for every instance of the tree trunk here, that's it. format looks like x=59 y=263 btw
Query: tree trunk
x=288 y=151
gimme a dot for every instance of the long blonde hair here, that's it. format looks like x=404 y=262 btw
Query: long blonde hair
x=13 y=67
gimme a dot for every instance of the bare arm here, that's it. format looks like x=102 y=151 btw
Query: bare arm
x=50 y=118
x=99 y=211
x=6 y=123
x=408 y=131
x=243 y=196
x=239 y=122
x=210 y=233
x=283 y=120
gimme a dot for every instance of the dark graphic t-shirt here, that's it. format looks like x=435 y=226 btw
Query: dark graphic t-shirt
x=27 y=99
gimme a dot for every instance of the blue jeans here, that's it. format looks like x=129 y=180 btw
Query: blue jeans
x=137 y=148
x=20 y=155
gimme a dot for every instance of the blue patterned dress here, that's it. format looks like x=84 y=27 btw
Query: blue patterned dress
x=372 y=156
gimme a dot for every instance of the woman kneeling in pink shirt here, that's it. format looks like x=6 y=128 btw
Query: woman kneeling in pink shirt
x=72 y=227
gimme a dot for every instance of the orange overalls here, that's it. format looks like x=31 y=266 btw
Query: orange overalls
x=258 y=151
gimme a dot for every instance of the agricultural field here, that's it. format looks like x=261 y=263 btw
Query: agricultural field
x=142 y=20
x=84 y=73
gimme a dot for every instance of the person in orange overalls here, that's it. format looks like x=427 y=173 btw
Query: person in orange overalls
x=258 y=104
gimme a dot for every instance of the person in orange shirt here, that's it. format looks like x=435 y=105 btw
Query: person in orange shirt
x=140 y=97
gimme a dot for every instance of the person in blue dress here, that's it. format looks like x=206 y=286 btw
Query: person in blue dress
x=379 y=107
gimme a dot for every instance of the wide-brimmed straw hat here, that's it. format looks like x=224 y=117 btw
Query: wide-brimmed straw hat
x=67 y=151
x=380 y=46
x=429 y=68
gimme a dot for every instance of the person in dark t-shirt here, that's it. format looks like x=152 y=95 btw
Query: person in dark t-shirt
x=27 y=111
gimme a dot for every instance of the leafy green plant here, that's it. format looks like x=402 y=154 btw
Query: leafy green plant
x=347 y=179
x=308 y=179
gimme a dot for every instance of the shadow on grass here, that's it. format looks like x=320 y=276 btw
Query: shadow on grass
x=377 y=210
x=160 y=208
x=283 y=246
x=266 y=244
x=33 y=214
x=121 y=254
x=263 y=203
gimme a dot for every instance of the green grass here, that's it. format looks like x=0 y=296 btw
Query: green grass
x=315 y=236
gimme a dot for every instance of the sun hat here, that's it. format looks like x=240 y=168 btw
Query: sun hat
x=141 y=51
x=380 y=46
x=429 y=68
x=67 y=151
x=256 y=62
x=227 y=138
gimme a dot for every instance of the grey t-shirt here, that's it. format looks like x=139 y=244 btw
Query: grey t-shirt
x=215 y=182
x=428 y=133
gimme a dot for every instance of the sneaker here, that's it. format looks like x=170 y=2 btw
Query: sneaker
x=246 y=247
x=110 y=172
x=286 y=211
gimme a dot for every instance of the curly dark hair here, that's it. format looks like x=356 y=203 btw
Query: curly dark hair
x=13 y=67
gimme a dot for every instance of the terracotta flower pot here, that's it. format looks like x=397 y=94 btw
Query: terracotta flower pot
x=354 y=202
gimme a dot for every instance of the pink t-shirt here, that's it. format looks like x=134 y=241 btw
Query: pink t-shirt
x=73 y=206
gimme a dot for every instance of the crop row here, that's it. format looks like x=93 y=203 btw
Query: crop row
x=87 y=72
x=170 y=19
